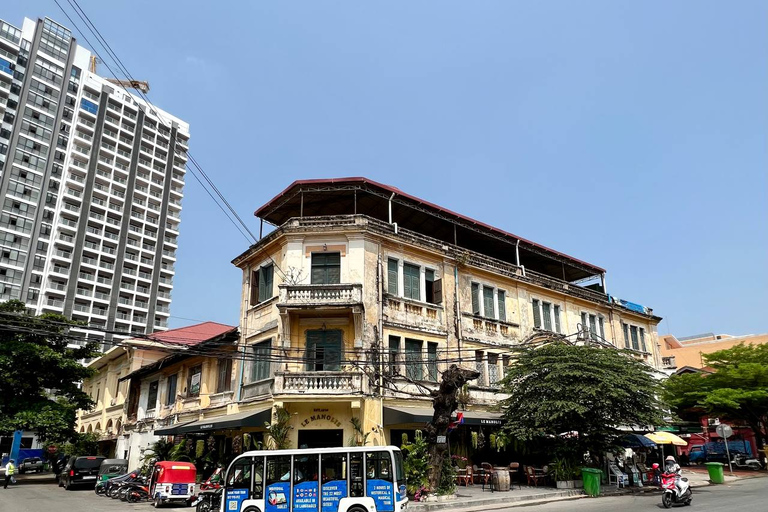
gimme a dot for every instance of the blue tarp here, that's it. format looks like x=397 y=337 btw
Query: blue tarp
x=630 y=305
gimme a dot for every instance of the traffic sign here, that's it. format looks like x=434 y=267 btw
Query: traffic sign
x=724 y=431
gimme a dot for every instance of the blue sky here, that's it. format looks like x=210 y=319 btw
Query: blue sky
x=628 y=134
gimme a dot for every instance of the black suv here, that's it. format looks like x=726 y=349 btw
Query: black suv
x=80 y=471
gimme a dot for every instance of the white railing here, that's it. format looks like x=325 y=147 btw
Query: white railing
x=323 y=383
x=320 y=294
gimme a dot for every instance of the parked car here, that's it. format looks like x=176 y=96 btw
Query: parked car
x=80 y=471
x=31 y=464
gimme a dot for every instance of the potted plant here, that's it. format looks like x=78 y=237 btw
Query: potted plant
x=565 y=473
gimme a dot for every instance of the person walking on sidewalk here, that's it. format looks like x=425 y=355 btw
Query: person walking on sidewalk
x=10 y=469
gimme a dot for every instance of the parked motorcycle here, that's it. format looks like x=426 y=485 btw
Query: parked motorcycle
x=208 y=500
x=741 y=461
x=676 y=490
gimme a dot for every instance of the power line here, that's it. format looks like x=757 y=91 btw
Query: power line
x=97 y=34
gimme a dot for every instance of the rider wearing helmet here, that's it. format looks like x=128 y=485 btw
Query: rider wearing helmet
x=670 y=465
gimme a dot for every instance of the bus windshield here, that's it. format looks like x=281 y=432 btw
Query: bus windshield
x=319 y=480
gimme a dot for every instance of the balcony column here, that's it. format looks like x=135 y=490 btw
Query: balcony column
x=357 y=313
x=285 y=319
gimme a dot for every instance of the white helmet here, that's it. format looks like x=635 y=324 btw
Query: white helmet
x=670 y=458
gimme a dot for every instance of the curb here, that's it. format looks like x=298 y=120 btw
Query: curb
x=500 y=502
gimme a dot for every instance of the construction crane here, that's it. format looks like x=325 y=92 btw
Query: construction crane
x=133 y=84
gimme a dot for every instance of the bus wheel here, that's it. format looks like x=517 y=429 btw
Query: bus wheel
x=358 y=509
x=251 y=509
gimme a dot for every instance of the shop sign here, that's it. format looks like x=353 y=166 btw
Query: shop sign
x=441 y=440
x=486 y=421
x=320 y=415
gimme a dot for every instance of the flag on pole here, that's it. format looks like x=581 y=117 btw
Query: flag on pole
x=454 y=424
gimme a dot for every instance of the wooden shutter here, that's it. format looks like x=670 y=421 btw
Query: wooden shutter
x=488 y=302
x=557 y=318
x=536 y=314
x=546 y=309
x=475 y=299
x=626 y=335
x=635 y=343
x=414 y=363
x=642 y=339
x=437 y=291
x=502 y=306
x=392 y=276
x=411 y=278
x=254 y=287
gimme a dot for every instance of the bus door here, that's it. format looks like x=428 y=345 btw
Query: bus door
x=305 y=482
x=333 y=473
x=278 y=483
x=243 y=483
x=356 y=475
x=379 y=480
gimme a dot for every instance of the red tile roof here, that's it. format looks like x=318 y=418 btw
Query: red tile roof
x=192 y=334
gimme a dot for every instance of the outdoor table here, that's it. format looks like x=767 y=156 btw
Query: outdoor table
x=461 y=475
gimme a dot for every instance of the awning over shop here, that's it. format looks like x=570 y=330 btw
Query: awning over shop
x=229 y=421
x=171 y=430
x=398 y=415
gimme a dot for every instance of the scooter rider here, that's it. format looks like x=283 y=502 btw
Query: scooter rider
x=671 y=466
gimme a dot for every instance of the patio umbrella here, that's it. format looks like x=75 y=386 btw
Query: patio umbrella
x=663 y=438
x=636 y=441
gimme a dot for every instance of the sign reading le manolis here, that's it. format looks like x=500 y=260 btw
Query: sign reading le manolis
x=320 y=415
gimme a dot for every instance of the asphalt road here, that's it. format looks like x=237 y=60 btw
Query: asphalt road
x=741 y=496
x=35 y=493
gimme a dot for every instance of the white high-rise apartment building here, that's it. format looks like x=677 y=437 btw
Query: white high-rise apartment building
x=91 y=182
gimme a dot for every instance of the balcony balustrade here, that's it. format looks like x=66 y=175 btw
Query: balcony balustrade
x=304 y=295
x=318 y=383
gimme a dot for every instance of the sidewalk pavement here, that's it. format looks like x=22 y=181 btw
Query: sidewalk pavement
x=474 y=498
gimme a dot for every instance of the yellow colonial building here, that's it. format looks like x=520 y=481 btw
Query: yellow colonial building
x=362 y=294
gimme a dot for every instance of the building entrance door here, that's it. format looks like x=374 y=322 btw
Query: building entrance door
x=333 y=438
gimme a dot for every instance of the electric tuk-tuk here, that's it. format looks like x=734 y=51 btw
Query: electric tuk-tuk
x=110 y=468
x=172 y=482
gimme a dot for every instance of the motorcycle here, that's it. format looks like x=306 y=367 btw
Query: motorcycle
x=741 y=461
x=208 y=500
x=676 y=490
x=209 y=497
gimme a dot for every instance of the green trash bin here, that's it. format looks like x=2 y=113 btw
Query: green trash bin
x=591 y=478
x=715 y=470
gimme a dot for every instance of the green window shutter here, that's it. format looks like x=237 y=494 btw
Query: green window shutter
x=432 y=361
x=260 y=368
x=488 y=302
x=584 y=324
x=394 y=353
x=502 y=306
x=546 y=308
x=593 y=326
x=626 y=335
x=414 y=368
x=412 y=281
x=392 y=276
x=536 y=314
x=265 y=282
x=601 y=325
x=557 y=318
x=326 y=268
x=475 y=299
x=642 y=340
x=635 y=342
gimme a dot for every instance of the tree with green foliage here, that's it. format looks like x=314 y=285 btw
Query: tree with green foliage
x=736 y=390
x=39 y=374
x=279 y=430
x=575 y=398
